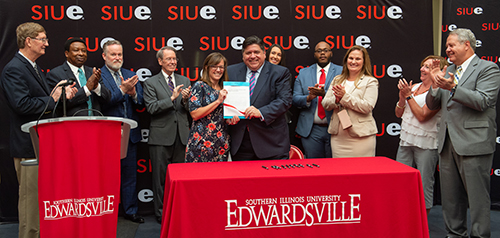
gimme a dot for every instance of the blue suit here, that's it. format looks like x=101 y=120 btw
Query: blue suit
x=115 y=108
x=272 y=96
x=308 y=78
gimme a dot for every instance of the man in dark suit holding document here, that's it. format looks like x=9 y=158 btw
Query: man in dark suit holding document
x=263 y=134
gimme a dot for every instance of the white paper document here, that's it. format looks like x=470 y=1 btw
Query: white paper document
x=237 y=99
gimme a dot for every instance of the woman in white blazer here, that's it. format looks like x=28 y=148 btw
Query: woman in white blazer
x=353 y=95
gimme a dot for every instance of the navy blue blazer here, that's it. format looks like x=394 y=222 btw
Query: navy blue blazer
x=78 y=102
x=308 y=78
x=27 y=95
x=115 y=106
x=272 y=96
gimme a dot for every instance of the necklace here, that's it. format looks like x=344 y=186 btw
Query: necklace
x=415 y=93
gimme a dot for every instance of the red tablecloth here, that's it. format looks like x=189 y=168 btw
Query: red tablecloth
x=343 y=197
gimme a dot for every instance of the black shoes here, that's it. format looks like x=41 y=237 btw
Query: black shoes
x=134 y=218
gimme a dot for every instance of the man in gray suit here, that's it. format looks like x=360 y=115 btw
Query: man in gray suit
x=468 y=93
x=165 y=95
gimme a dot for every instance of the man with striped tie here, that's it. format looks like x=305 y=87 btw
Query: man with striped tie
x=165 y=95
x=467 y=91
x=263 y=134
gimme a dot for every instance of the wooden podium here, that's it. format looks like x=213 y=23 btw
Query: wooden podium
x=79 y=173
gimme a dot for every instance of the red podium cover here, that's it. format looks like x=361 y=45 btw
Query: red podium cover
x=79 y=178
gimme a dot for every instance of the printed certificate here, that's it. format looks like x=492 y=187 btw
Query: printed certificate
x=237 y=99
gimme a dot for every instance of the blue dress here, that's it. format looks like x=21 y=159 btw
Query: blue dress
x=208 y=140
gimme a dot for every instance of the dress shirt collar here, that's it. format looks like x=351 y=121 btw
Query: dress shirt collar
x=466 y=63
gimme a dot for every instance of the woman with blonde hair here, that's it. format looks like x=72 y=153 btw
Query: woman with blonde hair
x=353 y=95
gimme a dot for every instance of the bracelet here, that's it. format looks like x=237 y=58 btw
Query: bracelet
x=403 y=107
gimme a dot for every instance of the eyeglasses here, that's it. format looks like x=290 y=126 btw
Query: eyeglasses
x=43 y=40
x=215 y=67
x=322 y=51
x=171 y=59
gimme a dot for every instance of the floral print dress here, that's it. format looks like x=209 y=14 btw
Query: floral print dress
x=208 y=140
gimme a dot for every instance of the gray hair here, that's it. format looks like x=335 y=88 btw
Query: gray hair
x=108 y=43
x=464 y=35
x=159 y=54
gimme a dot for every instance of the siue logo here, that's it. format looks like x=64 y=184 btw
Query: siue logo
x=490 y=26
x=462 y=11
x=156 y=43
x=236 y=43
x=346 y=42
x=255 y=12
x=374 y=12
x=317 y=12
x=52 y=12
x=451 y=27
x=493 y=59
x=392 y=71
x=392 y=129
x=191 y=13
x=125 y=13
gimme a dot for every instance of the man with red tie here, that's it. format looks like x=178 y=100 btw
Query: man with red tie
x=308 y=91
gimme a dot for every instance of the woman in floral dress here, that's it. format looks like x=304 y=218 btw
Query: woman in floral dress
x=208 y=140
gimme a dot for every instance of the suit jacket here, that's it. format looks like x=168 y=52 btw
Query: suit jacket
x=359 y=103
x=27 y=95
x=78 y=102
x=167 y=118
x=471 y=111
x=115 y=105
x=308 y=78
x=272 y=96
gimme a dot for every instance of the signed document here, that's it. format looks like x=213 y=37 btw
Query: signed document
x=237 y=99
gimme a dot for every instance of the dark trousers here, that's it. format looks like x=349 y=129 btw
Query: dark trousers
x=161 y=156
x=129 y=180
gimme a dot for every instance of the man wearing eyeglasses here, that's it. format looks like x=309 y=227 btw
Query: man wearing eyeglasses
x=126 y=98
x=308 y=91
x=28 y=95
x=166 y=95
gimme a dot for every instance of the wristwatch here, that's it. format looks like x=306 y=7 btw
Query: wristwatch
x=453 y=91
x=409 y=97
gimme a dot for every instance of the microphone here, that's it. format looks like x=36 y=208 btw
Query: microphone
x=68 y=82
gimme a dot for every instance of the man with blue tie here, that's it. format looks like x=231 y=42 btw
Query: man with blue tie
x=467 y=91
x=308 y=91
x=126 y=97
x=263 y=134
x=91 y=91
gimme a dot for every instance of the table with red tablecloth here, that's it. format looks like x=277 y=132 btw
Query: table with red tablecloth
x=337 y=197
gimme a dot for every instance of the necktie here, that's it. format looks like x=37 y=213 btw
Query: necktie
x=83 y=81
x=321 y=110
x=171 y=84
x=252 y=82
x=118 y=82
x=458 y=74
x=40 y=78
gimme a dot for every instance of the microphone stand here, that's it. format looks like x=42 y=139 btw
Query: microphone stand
x=63 y=96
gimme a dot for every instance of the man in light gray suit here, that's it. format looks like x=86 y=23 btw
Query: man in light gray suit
x=165 y=96
x=468 y=94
